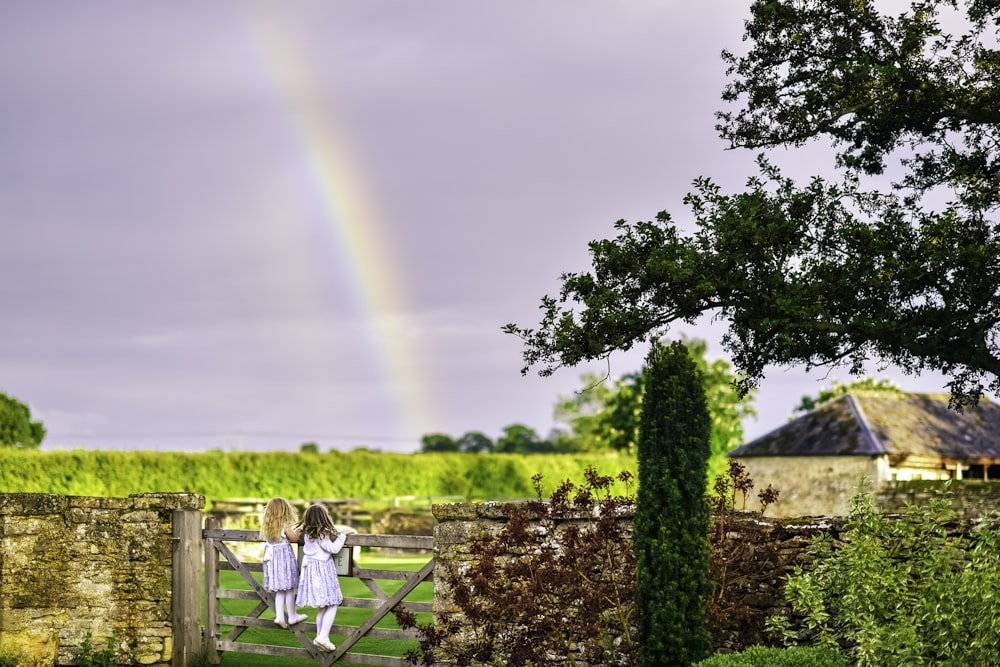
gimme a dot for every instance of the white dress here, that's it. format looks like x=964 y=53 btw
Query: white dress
x=281 y=571
x=319 y=585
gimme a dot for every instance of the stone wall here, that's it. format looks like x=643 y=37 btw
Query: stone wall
x=969 y=498
x=544 y=532
x=71 y=565
x=751 y=556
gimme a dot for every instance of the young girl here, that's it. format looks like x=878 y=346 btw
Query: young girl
x=319 y=586
x=281 y=573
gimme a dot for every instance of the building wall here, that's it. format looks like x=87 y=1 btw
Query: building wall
x=73 y=565
x=812 y=485
x=915 y=474
x=824 y=485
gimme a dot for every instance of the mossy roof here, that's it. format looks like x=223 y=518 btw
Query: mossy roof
x=885 y=423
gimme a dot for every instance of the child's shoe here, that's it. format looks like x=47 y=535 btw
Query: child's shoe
x=325 y=644
x=297 y=619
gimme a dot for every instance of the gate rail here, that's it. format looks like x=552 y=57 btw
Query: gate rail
x=215 y=546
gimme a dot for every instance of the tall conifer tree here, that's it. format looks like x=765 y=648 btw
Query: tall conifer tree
x=672 y=516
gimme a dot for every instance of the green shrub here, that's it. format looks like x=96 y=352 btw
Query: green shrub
x=761 y=656
x=672 y=517
x=904 y=591
x=89 y=657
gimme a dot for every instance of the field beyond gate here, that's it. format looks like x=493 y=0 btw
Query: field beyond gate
x=360 y=620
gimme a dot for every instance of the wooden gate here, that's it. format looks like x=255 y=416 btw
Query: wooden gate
x=219 y=556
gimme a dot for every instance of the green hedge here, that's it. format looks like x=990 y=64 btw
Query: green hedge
x=760 y=656
x=357 y=474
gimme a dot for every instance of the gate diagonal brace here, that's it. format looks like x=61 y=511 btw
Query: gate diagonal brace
x=266 y=597
x=376 y=589
x=263 y=594
x=267 y=602
x=384 y=609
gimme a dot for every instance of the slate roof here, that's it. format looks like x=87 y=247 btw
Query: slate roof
x=885 y=423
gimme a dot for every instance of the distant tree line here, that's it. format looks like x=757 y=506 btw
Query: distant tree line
x=516 y=439
x=604 y=415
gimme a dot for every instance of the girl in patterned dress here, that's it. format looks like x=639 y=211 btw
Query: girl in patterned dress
x=281 y=573
x=319 y=586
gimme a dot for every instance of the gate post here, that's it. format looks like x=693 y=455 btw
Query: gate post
x=186 y=586
x=211 y=594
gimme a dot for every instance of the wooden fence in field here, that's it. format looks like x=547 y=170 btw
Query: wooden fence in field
x=219 y=556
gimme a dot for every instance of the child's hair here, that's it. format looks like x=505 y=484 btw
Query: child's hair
x=278 y=514
x=316 y=523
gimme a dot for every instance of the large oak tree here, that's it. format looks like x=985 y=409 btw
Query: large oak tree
x=823 y=272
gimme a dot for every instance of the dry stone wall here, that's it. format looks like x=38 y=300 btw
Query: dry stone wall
x=72 y=566
x=752 y=555
x=970 y=499
x=751 y=558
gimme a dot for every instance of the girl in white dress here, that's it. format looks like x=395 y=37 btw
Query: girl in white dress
x=319 y=586
x=281 y=573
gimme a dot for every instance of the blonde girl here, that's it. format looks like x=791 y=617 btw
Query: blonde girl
x=319 y=586
x=277 y=529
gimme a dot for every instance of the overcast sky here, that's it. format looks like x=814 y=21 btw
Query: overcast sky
x=252 y=225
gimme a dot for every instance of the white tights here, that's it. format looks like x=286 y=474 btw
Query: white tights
x=284 y=605
x=324 y=622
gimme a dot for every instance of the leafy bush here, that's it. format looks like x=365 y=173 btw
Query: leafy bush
x=89 y=657
x=762 y=656
x=555 y=584
x=902 y=591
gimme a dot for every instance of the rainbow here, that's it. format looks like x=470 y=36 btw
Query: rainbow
x=349 y=227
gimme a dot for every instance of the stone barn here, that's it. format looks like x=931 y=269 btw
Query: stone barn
x=818 y=460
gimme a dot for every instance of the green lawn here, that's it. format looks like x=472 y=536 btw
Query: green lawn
x=353 y=588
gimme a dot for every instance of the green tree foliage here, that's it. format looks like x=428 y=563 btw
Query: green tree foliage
x=901 y=592
x=873 y=83
x=475 y=442
x=826 y=273
x=605 y=415
x=726 y=406
x=516 y=439
x=591 y=416
x=522 y=439
x=438 y=442
x=672 y=517
x=838 y=389
x=16 y=428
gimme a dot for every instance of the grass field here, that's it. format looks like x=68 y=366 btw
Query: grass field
x=353 y=588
